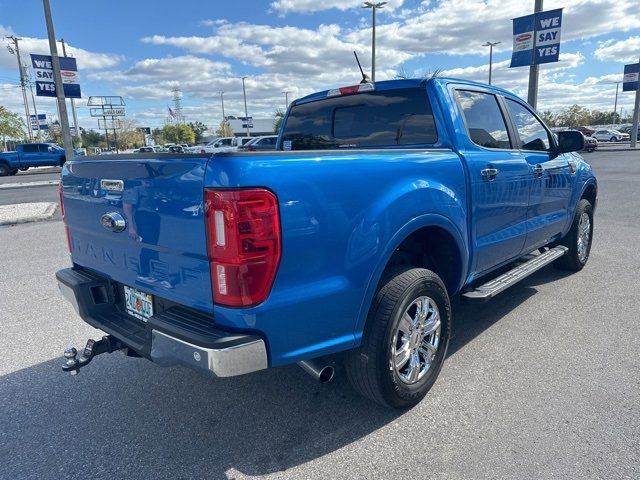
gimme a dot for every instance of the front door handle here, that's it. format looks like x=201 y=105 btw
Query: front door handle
x=538 y=170
x=489 y=173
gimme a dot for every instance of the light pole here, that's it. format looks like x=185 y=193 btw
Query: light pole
x=373 y=6
x=222 y=103
x=246 y=114
x=73 y=103
x=286 y=99
x=534 y=70
x=615 y=106
x=490 y=45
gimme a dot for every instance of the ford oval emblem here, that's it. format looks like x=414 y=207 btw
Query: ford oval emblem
x=113 y=221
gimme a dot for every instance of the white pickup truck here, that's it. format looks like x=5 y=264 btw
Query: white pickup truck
x=224 y=144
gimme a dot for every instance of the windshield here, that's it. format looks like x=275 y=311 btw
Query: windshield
x=400 y=117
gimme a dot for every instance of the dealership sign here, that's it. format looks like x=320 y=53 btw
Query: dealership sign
x=45 y=83
x=630 y=78
x=41 y=123
x=536 y=38
x=108 y=112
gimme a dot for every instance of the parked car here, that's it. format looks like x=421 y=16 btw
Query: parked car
x=267 y=142
x=590 y=144
x=31 y=155
x=586 y=131
x=610 y=136
x=225 y=144
x=380 y=204
x=147 y=150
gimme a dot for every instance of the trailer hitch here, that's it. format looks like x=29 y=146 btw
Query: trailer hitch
x=108 y=344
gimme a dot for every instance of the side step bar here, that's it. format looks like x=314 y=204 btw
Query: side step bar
x=513 y=276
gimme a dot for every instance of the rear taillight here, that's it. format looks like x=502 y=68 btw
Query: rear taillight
x=249 y=148
x=63 y=213
x=243 y=244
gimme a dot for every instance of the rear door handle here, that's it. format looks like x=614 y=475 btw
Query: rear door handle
x=538 y=170
x=489 y=173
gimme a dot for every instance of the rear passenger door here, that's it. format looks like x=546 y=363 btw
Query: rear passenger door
x=30 y=155
x=500 y=180
x=552 y=177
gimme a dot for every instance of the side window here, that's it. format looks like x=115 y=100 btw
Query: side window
x=532 y=133
x=484 y=119
x=30 y=148
x=270 y=141
x=43 y=148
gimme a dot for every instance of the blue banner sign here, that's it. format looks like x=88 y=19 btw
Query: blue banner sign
x=41 y=123
x=630 y=78
x=45 y=84
x=536 y=38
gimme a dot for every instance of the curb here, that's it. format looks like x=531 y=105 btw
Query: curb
x=26 y=213
x=41 y=183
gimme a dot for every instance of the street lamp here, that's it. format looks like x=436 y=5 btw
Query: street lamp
x=286 y=99
x=246 y=114
x=373 y=6
x=222 y=102
x=490 y=45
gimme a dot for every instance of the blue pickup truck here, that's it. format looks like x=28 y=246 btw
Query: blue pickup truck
x=381 y=202
x=31 y=155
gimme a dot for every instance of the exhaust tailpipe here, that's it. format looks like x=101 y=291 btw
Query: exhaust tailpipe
x=321 y=372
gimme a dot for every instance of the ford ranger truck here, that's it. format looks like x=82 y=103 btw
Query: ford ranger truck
x=31 y=155
x=381 y=202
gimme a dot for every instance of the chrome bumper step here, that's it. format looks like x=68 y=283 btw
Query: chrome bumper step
x=493 y=287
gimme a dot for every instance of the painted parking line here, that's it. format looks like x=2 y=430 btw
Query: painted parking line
x=39 y=183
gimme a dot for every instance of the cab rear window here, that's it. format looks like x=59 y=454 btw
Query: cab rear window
x=389 y=118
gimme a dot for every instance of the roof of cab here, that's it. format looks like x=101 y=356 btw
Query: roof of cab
x=408 y=83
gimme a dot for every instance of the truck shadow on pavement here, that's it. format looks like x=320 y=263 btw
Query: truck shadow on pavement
x=127 y=418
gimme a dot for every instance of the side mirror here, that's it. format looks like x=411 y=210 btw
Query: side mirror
x=569 y=141
x=51 y=149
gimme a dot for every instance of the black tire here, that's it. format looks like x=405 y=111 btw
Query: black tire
x=572 y=259
x=613 y=139
x=370 y=368
x=14 y=171
x=4 y=169
x=24 y=169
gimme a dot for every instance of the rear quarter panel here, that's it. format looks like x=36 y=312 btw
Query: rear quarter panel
x=342 y=215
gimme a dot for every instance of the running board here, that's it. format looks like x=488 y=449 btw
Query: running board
x=513 y=276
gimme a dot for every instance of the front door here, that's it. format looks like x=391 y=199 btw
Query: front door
x=500 y=182
x=552 y=177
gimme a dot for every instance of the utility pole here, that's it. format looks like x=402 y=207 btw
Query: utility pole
x=16 y=51
x=615 y=106
x=490 y=45
x=286 y=99
x=55 y=61
x=72 y=100
x=373 y=6
x=246 y=114
x=636 y=115
x=534 y=70
x=222 y=103
x=35 y=109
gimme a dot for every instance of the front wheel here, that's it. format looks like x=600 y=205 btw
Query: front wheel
x=613 y=139
x=405 y=339
x=579 y=238
x=4 y=170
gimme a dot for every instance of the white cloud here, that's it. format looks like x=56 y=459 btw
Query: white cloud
x=86 y=59
x=308 y=6
x=619 y=51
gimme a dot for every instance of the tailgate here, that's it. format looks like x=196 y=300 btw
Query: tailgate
x=161 y=248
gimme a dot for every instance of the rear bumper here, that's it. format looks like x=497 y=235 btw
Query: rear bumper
x=174 y=335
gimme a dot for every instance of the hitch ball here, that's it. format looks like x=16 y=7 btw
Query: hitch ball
x=70 y=354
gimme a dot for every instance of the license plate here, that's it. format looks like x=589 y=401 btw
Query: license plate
x=138 y=304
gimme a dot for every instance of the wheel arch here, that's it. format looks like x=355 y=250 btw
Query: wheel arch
x=423 y=227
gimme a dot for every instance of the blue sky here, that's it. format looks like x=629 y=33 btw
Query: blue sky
x=141 y=49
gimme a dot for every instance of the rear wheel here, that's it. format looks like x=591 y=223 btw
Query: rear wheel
x=613 y=139
x=405 y=339
x=579 y=238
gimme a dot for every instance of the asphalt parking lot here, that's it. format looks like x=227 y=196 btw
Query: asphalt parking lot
x=543 y=382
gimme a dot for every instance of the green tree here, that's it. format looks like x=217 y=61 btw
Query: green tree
x=198 y=129
x=277 y=123
x=224 y=129
x=158 y=136
x=11 y=126
x=92 y=138
x=549 y=118
x=178 y=133
x=574 y=116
